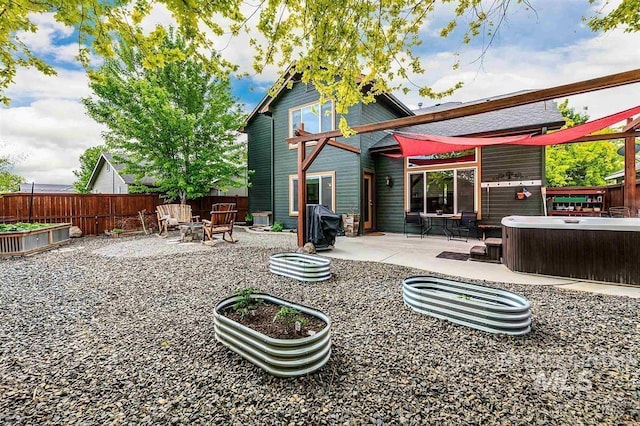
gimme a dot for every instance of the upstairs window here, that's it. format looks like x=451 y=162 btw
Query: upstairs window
x=316 y=118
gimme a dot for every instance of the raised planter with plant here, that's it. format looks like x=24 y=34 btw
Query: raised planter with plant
x=19 y=239
x=476 y=306
x=300 y=266
x=281 y=337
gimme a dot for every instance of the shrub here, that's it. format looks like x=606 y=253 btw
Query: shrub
x=277 y=227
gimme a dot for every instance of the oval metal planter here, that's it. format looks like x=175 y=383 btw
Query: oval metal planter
x=279 y=357
x=302 y=267
x=480 y=307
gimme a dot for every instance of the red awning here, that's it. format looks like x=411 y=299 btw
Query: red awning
x=413 y=144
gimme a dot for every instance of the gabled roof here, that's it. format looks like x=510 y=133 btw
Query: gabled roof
x=509 y=121
x=263 y=106
x=106 y=157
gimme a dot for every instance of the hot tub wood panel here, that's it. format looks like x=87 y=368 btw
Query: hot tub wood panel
x=599 y=255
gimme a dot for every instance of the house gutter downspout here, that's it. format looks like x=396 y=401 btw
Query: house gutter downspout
x=273 y=168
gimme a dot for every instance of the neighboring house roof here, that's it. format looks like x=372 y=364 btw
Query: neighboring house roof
x=620 y=173
x=46 y=187
x=106 y=157
x=263 y=106
x=514 y=120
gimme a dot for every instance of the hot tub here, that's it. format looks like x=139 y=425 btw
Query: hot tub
x=591 y=248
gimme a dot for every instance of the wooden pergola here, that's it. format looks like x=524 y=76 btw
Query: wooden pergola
x=629 y=133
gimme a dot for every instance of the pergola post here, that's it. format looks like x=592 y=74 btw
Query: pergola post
x=630 y=172
x=302 y=194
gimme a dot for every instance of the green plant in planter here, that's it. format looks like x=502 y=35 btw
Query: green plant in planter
x=290 y=316
x=22 y=226
x=277 y=227
x=246 y=302
x=248 y=218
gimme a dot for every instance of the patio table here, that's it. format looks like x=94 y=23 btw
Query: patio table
x=435 y=220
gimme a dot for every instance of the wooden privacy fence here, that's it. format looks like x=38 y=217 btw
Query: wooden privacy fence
x=96 y=213
x=615 y=195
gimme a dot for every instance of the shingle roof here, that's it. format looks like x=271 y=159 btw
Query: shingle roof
x=46 y=188
x=620 y=173
x=538 y=114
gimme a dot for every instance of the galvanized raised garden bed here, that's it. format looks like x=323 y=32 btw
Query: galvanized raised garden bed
x=20 y=243
x=480 y=307
x=279 y=357
x=302 y=267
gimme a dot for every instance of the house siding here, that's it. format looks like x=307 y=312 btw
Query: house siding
x=389 y=201
x=389 y=214
x=108 y=182
x=528 y=161
x=345 y=165
x=259 y=163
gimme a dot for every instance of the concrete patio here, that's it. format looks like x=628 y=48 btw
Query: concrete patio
x=420 y=253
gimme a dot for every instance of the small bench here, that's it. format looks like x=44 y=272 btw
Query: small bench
x=490 y=252
x=486 y=227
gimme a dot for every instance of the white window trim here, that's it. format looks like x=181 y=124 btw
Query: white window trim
x=317 y=174
x=290 y=115
x=455 y=186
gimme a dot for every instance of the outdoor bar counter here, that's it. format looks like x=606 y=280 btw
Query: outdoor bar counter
x=590 y=248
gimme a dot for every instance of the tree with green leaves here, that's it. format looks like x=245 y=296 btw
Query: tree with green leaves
x=580 y=164
x=370 y=44
x=9 y=182
x=176 y=123
x=88 y=161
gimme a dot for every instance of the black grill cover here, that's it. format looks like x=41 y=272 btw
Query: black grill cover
x=322 y=226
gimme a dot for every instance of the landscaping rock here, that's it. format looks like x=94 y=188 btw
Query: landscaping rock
x=75 y=232
x=120 y=331
x=308 y=248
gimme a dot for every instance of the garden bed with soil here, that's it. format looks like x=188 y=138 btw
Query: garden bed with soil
x=264 y=319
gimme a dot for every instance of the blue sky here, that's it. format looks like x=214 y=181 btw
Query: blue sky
x=46 y=130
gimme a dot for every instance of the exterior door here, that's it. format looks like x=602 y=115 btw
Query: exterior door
x=368 y=201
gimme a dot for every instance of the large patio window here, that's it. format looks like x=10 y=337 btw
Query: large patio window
x=452 y=191
x=320 y=190
x=316 y=118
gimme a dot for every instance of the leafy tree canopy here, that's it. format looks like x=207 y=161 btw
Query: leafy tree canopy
x=580 y=164
x=175 y=123
x=88 y=162
x=9 y=182
x=370 y=44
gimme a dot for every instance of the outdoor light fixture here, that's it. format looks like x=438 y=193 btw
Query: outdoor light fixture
x=388 y=181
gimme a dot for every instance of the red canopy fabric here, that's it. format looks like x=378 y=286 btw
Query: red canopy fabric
x=413 y=144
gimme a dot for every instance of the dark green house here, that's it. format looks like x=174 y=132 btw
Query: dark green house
x=381 y=188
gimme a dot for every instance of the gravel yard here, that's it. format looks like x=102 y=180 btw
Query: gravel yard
x=110 y=330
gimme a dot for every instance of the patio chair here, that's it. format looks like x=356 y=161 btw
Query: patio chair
x=223 y=217
x=467 y=222
x=619 y=212
x=172 y=215
x=413 y=219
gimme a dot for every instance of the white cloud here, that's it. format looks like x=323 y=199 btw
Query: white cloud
x=32 y=84
x=511 y=69
x=47 y=137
